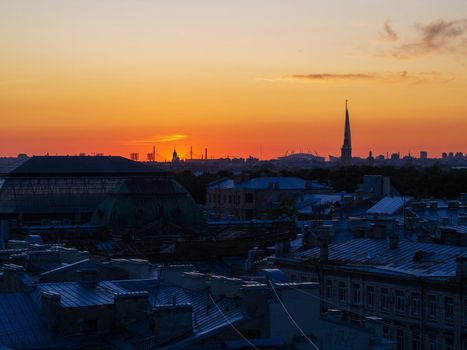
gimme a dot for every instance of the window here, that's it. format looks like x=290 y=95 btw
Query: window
x=329 y=289
x=433 y=342
x=384 y=299
x=416 y=304
x=400 y=302
x=400 y=339
x=416 y=342
x=386 y=331
x=448 y=309
x=432 y=306
x=449 y=342
x=356 y=293
x=342 y=292
x=90 y=326
x=248 y=197
x=370 y=297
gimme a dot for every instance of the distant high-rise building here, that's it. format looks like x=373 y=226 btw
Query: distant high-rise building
x=134 y=156
x=152 y=156
x=423 y=155
x=346 y=150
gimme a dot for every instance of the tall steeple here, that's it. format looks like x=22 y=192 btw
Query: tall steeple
x=346 y=150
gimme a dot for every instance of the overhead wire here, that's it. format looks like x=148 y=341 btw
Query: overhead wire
x=291 y=318
x=354 y=312
x=232 y=325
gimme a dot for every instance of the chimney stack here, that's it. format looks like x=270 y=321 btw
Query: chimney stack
x=393 y=242
x=306 y=237
x=324 y=236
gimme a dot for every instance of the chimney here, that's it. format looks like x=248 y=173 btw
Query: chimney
x=461 y=267
x=394 y=242
x=323 y=252
x=50 y=302
x=378 y=231
x=165 y=316
x=306 y=237
x=131 y=307
x=282 y=248
x=324 y=236
x=87 y=276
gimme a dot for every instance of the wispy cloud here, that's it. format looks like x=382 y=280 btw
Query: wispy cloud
x=437 y=37
x=386 y=77
x=330 y=76
x=389 y=33
x=161 y=138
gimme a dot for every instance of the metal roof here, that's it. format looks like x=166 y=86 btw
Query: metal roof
x=76 y=294
x=462 y=229
x=20 y=322
x=80 y=165
x=388 y=205
x=377 y=255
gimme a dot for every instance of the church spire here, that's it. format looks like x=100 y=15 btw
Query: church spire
x=346 y=150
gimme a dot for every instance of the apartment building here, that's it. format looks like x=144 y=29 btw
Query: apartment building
x=418 y=289
x=255 y=198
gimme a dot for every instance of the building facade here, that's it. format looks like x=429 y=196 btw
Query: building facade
x=418 y=289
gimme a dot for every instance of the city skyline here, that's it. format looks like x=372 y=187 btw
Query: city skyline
x=118 y=77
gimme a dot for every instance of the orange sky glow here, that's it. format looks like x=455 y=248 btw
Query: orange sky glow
x=256 y=77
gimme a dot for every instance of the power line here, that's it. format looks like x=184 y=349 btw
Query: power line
x=291 y=318
x=232 y=325
x=354 y=312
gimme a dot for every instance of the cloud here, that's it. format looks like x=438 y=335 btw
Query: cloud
x=389 y=34
x=162 y=138
x=386 y=77
x=437 y=37
x=329 y=76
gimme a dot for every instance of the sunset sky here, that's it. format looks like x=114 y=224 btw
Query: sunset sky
x=241 y=77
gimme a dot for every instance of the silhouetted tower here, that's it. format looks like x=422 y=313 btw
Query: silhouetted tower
x=371 y=159
x=153 y=153
x=175 y=157
x=346 y=150
x=206 y=153
x=191 y=152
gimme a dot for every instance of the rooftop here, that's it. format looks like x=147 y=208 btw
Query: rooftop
x=42 y=165
x=264 y=183
x=389 y=205
x=375 y=254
